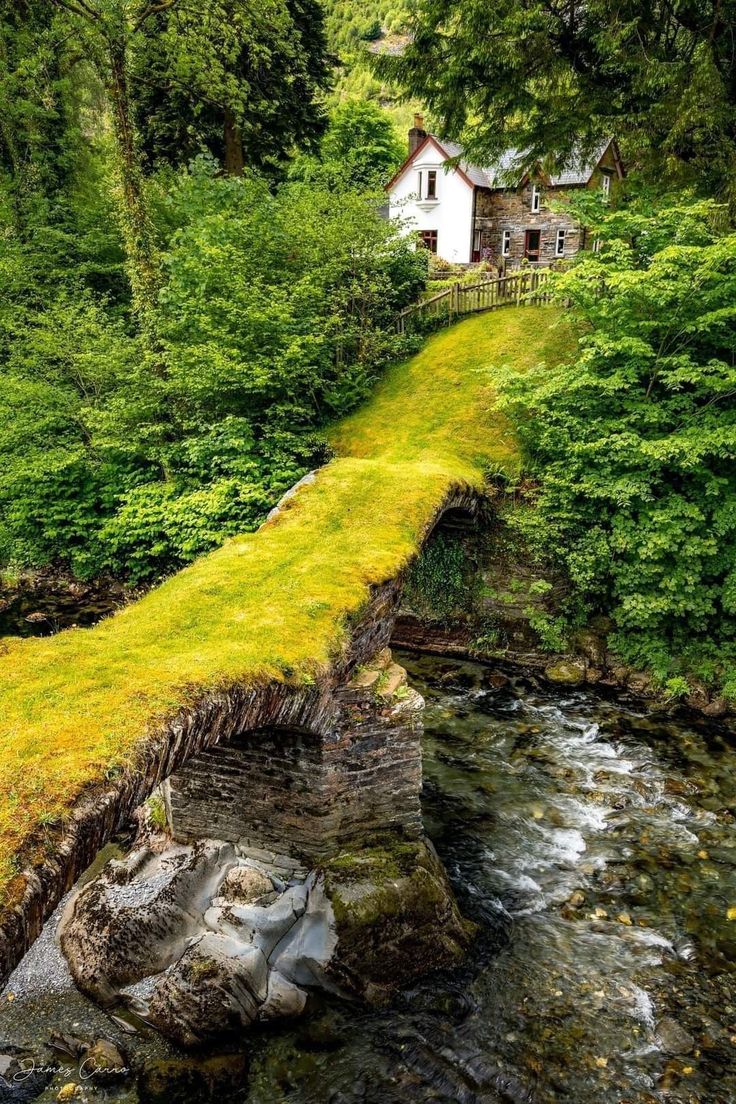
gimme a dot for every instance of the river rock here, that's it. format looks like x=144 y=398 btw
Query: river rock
x=592 y=646
x=396 y=919
x=672 y=1038
x=570 y=672
x=193 y=939
x=104 y=1057
x=182 y=1080
x=137 y=918
x=245 y=884
x=215 y=988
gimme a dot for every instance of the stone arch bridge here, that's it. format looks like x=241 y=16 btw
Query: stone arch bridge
x=257 y=681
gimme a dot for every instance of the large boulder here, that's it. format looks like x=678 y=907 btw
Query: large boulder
x=204 y=941
x=396 y=918
x=137 y=918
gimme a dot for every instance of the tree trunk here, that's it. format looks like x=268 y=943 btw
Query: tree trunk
x=138 y=234
x=234 y=159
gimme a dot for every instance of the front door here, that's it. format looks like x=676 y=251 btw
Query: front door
x=531 y=244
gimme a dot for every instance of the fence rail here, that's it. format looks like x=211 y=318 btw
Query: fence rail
x=528 y=286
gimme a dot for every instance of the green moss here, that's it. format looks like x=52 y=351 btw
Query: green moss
x=274 y=605
x=374 y=884
x=157 y=812
x=436 y=586
x=203 y=968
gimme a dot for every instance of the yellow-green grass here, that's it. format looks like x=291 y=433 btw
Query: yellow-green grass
x=269 y=605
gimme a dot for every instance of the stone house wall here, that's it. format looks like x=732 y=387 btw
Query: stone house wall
x=496 y=211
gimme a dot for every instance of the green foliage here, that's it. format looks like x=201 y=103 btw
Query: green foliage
x=275 y=317
x=540 y=78
x=436 y=586
x=354 y=31
x=241 y=80
x=634 y=442
x=362 y=140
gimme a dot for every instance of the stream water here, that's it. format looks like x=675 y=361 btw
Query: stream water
x=594 y=845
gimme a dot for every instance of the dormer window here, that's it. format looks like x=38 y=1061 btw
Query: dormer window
x=536 y=198
x=432 y=184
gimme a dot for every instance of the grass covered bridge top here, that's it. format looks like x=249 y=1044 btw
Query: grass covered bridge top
x=271 y=605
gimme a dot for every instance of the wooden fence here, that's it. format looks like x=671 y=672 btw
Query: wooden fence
x=525 y=286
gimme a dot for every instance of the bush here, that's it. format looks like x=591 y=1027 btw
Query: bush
x=634 y=442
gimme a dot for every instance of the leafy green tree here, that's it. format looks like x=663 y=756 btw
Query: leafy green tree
x=274 y=317
x=240 y=79
x=634 y=442
x=542 y=77
x=363 y=140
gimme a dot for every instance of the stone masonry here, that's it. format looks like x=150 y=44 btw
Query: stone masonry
x=511 y=209
x=308 y=793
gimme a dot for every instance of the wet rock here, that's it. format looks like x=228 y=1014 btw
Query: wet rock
x=672 y=1038
x=639 y=683
x=592 y=646
x=180 y=1081
x=396 y=919
x=104 y=1057
x=139 y=920
x=70 y=1091
x=215 y=989
x=497 y=680
x=567 y=672
x=23 y=1075
x=717 y=707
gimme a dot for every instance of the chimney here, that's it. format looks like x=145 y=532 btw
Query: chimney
x=417 y=134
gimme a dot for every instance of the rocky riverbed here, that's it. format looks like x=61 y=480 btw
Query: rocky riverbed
x=594 y=845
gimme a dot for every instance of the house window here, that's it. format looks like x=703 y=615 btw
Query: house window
x=428 y=238
x=560 y=243
x=432 y=184
x=505 y=243
x=606 y=185
x=536 y=198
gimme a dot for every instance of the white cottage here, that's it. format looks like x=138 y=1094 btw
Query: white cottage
x=468 y=213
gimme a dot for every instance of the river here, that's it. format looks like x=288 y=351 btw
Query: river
x=594 y=845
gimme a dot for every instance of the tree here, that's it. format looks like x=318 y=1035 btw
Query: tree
x=362 y=138
x=545 y=77
x=37 y=126
x=104 y=29
x=239 y=79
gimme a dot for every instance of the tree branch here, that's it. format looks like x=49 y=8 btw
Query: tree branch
x=152 y=9
x=78 y=7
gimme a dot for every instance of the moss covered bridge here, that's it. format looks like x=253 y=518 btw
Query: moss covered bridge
x=256 y=634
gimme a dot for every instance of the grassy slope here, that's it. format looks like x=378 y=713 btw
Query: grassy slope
x=267 y=605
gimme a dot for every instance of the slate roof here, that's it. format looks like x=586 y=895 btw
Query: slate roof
x=578 y=171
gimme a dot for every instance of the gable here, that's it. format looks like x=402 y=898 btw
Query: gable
x=415 y=159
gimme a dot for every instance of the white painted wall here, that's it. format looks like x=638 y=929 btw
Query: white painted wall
x=450 y=214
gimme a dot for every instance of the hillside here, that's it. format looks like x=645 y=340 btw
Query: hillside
x=354 y=31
